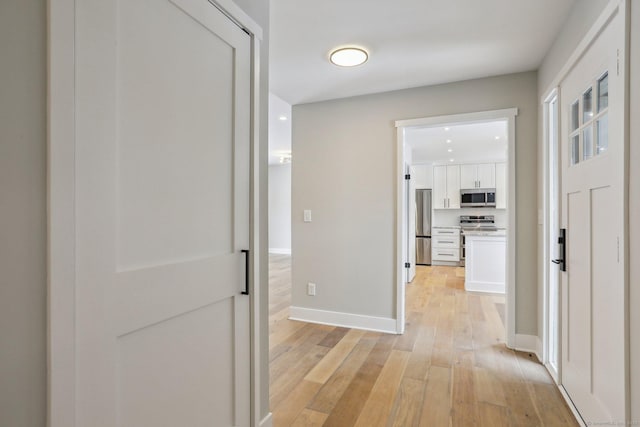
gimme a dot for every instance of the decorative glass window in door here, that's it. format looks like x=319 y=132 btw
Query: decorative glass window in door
x=589 y=123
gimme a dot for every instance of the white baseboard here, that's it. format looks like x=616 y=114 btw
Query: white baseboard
x=267 y=421
x=571 y=406
x=490 y=287
x=347 y=320
x=280 y=251
x=529 y=344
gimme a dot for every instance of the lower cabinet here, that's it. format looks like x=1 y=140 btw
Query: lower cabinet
x=485 y=263
x=445 y=245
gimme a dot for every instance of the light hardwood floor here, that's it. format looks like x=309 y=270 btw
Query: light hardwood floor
x=450 y=368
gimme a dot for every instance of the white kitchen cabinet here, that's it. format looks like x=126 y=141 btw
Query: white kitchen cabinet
x=501 y=186
x=481 y=175
x=446 y=187
x=445 y=245
x=485 y=263
x=422 y=176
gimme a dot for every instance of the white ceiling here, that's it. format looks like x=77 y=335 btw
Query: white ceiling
x=469 y=143
x=411 y=43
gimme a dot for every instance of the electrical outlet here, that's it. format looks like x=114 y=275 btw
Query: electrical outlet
x=311 y=289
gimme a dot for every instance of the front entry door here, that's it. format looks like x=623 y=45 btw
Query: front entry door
x=162 y=182
x=592 y=212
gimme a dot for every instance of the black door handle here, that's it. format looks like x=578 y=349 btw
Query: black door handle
x=562 y=241
x=246 y=271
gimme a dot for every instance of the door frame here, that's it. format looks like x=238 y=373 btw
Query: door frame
x=61 y=264
x=547 y=269
x=508 y=115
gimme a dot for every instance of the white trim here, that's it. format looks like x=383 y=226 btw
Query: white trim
x=347 y=320
x=508 y=114
x=553 y=95
x=528 y=344
x=61 y=231
x=61 y=264
x=280 y=251
x=464 y=118
x=256 y=295
x=267 y=421
x=485 y=287
x=401 y=237
x=237 y=15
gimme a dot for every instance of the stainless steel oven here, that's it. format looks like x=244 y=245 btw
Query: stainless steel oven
x=473 y=223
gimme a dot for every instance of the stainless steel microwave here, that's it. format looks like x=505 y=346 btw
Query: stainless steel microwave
x=478 y=198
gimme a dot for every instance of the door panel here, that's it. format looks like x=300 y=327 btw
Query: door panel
x=162 y=192
x=453 y=187
x=592 y=211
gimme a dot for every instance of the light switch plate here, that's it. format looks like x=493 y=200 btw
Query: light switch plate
x=311 y=289
x=307 y=215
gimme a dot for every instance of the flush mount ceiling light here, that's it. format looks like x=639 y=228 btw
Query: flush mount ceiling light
x=348 y=56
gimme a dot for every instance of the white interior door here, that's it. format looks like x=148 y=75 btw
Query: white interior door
x=162 y=214
x=592 y=211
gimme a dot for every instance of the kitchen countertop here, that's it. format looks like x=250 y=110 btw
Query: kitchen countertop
x=497 y=233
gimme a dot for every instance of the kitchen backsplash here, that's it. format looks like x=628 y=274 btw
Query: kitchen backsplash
x=448 y=217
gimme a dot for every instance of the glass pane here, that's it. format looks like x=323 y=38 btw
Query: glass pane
x=587 y=143
x=603 y=92
x=602 y=129
x=587 y=107
x=575 y=149
x=574 y=116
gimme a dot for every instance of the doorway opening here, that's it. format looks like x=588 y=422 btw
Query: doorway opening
x=446 y=174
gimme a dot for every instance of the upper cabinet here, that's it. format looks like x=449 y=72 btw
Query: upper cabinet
x=478 y=176
x=501 y=185
x=446 y=187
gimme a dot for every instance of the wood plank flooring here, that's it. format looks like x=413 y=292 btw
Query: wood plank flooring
x=450 y=368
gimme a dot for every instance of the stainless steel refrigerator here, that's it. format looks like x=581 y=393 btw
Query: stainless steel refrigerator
x=423 y=227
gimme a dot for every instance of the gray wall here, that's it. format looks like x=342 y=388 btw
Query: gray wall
x=581 y=17
x=280 y=207
x=344 y=171
x=22 y=213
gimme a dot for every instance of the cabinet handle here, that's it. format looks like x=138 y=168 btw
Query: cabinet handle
x=444 y=254
x=446 y=241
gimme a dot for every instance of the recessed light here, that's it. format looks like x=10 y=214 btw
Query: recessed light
x=348 y=56
x=446 y=129
x=497 y=138
x=448 y=141
x=282 y=117
x=450 y=150
x=451 y=160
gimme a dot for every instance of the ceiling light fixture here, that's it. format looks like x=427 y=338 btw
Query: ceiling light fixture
x=451 y=160
x=448 y=141
x=497 y=138
x=446 y=129
x=450 y=150
x=348 y=56
x=282 y=117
